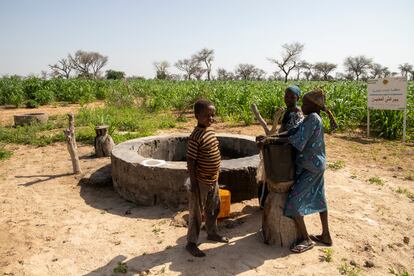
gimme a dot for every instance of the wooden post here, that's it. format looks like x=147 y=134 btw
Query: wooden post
x=103 y=142
x=71 y=144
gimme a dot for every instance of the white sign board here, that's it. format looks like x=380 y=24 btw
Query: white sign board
x=387 y=93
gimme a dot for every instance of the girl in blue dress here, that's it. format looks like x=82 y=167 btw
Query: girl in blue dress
x=307 y=195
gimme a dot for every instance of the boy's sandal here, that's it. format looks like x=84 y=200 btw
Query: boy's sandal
x=318 y=238
x=302 y=247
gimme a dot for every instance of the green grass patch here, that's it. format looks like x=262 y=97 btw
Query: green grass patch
x=393 y=271
x=376 y=180
x=4 y=153
x=124 y=124
x=337 y=165
x=345 y=269
x=406 y=192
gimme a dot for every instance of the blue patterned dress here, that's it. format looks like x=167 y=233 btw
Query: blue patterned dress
x=307 y=195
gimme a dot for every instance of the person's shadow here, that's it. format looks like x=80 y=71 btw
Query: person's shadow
x=246 y=251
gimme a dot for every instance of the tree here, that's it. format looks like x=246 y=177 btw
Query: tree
x=61 y=69
x=161 y=70
x=224 y=75
x=114 y=75
x=289 y=58
x=245 y=71
x=259 y=74
x=378 y=71
x=405 y=69
x=189 y=66
x=206 y=56
x=275 y=76
x=324 y=68
x=357 y=65
x=88 y=64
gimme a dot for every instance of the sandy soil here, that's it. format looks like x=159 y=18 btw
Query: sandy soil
x=53 y=225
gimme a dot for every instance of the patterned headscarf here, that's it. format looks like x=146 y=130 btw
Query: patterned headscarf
x=318 y=97
x=295 y=89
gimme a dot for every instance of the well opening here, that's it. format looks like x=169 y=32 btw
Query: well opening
x=175 y=149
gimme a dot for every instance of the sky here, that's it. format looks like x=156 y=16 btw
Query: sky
x=134 y=34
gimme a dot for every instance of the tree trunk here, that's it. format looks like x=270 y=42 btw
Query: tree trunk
x=103 y=142
x=276 y=228
x=71 y=144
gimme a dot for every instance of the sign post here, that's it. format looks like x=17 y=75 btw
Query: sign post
x=388 y=94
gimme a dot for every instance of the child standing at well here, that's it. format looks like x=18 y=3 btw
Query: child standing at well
x=307 y=195
x=203 y=162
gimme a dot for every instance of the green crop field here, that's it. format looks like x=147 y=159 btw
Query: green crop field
x=347 y=99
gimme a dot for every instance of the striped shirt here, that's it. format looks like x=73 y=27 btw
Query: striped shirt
x=203 y=147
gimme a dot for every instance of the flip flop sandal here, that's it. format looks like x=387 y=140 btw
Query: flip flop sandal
x=316 y=238
x=300 y=248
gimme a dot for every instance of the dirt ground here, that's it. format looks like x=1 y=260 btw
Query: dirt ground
x=51 y=223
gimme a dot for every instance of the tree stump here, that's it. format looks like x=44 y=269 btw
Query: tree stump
x=103 y=142
x=277 y=229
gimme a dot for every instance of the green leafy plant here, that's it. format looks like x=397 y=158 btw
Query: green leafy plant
x=4 y=153
x=337 y=165
x=327 y=255
x=121 y=268
x=345 y=269
x=376 y=180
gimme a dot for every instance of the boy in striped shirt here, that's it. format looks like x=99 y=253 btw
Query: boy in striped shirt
x=203 y=163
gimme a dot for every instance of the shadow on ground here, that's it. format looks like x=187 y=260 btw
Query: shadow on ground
x=245 y=252
x=360 y=139
x=97 y=191
x=45 y=177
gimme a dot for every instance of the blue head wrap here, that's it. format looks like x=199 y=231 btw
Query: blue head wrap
x=294 y=89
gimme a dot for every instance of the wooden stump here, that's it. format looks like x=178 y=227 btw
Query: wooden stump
x=103 y=142
x=277 y=229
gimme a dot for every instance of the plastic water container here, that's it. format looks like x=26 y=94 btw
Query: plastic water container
x=225 y=202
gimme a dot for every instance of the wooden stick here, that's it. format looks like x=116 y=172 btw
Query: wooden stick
x=71 y=144
x=259 y=118
x=276 y=118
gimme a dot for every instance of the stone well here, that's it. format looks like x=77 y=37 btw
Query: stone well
x=152 y=170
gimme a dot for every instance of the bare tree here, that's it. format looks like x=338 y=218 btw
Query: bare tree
x=199 y=72
x=378 y=71
x=405 y=69
x=189 y=66
x=275 y=76
x=161 y=69
x=206 y=56
x=245 y=71
x=224 y=75
x=324 y=68
x=88 y=64
x=43 y=74
x=357 y=65
x=62 y=68
x=259 y=74
x=289 y=58
x=307 y=69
